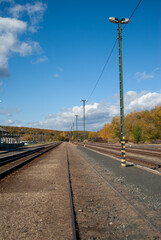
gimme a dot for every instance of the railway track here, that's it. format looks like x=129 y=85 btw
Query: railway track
x=74 y=224
x=23 y=149
x=11 y=163
x=119 y=196
x=145 y=151
x=94 y=199
x=24 y=158
x=136 y=158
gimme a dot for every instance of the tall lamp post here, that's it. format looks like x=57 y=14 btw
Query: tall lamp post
x=119 y=22
x=76 y=122
x=84 y=100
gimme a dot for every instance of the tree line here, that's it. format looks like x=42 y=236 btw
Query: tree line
x=35 y=134
x=144 y=126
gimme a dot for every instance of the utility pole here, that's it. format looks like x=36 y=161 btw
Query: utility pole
x=71 y=133
x=76 y=122
x=85 y=100
x=119 y=22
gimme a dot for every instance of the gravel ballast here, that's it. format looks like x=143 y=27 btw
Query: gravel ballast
x=34 y=201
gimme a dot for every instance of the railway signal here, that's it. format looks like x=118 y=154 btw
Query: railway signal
x=119 y=22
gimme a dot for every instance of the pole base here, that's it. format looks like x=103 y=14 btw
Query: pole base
x=123 y=163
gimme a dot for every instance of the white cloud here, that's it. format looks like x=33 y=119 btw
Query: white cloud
x=10 y=112
x=23 y=49
x=10 y=122
x=34 y=11
x=12 y=25
x=144 y=75
x=98 y=113
x=60 y=69
x=142 y=101
x=40 y=60
x=27 y=48
x=56 y=75
x=9 y=30
x=12 y=28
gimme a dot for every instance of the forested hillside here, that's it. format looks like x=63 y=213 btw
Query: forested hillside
x=142 y=126
x=36 y=134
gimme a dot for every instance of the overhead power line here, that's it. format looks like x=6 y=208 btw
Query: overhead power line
x=133 y=13
x=135 y=8
x=103 y=69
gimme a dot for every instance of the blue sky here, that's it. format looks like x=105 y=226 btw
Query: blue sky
x=52 y=53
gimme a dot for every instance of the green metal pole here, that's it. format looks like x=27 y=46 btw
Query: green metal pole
x=123 y=157
x=76 y=122
x=84 y=115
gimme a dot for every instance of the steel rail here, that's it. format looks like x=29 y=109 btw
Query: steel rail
x=134 y=159
x=151 y=152
x=13 y=158
x=19 y=165
x=75 y=232
x=146 y=151
x=10 y=158
x=12 y=152
x=125 y=200
x=147 y=163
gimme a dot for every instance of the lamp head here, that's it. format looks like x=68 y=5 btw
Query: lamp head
x=113 y=20
x=125 y=21
x=116 y=20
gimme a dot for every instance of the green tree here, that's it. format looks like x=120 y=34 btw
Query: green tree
x=137 y=134
x=116 y=128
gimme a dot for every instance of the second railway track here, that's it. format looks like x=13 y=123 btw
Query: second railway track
x=138 y=156
x=11 y=163
x=74 y=224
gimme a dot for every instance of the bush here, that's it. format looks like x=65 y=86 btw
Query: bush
x=137 y=134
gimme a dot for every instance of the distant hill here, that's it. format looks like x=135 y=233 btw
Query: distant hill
x=45 y=135
x=34 y=134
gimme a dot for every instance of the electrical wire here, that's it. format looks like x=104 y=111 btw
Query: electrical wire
x=135 y=9
x=133 y=12
x=103 y=69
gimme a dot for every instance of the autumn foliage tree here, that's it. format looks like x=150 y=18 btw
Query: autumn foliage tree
x=144 y=126
x=106 y=132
